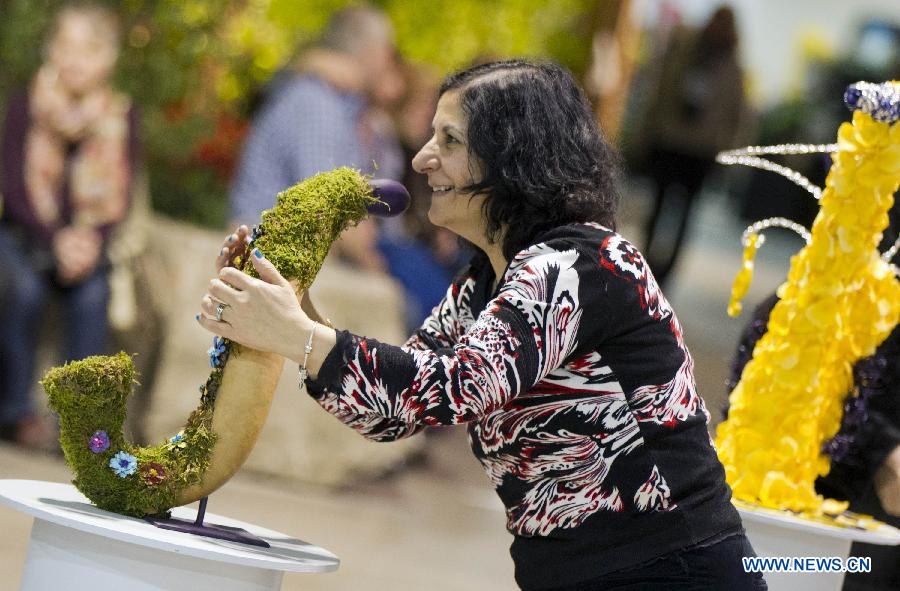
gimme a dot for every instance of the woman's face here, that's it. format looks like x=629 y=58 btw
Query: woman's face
x=83 y=58
x=446 y=160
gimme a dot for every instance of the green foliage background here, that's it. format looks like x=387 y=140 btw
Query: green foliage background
x=195 y=67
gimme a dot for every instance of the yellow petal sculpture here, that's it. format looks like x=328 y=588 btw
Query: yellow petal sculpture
x=840 y=301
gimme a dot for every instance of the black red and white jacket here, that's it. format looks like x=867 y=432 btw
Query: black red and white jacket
x=579 y=395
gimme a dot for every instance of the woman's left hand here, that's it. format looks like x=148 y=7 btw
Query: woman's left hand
x=263 y=314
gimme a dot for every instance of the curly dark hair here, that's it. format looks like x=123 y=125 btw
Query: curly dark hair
x=544 y=160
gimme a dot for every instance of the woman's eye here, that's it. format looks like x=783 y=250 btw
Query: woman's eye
x=450 y=140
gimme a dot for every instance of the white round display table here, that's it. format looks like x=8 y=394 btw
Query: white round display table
x=78 y=547
x=780 y=533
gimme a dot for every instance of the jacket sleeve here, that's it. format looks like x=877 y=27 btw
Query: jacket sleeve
x=434 y=333
x=525 y=332
x=443 y=326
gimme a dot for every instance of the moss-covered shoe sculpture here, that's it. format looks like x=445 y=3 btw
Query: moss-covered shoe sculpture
x=90 y=395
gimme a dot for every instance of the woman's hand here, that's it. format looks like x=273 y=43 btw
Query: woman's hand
x=77 y=252
x=263 y=314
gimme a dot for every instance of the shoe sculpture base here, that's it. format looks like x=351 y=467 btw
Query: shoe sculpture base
x=78 y=547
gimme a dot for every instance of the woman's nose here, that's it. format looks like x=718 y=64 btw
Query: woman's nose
x=426 y=160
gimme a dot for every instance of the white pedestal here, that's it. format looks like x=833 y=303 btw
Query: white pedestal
x=779 y=533
x=78 y=547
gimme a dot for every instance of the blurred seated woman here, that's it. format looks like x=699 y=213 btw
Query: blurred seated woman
x=69 y=153
x=555 y=346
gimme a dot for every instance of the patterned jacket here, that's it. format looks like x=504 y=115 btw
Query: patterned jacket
x=579 y=395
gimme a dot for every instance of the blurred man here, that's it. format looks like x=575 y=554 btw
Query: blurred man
x=314 y=120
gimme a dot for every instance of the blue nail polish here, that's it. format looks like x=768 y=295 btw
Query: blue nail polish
x=257 y=253
x=197 y=317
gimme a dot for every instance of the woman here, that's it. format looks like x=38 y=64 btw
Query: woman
x=69 y=151
x=555 y=345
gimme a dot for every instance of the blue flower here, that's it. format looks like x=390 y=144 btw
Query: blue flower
x=177 y=442
x=216 y=352
x=123 y=464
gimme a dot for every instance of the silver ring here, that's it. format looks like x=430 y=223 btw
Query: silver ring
x=219 y=309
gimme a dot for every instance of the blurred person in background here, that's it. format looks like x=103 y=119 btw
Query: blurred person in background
x=421 y=256
x=695 y=112
x=70 y=151
x=326 y=114
x=555 y=345
x=414 y=128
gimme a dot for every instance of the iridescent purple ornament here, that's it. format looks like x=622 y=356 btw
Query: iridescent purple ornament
x=98 y=442
x=880 y=101
x=852 y=96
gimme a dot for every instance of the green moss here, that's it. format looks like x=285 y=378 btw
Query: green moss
x=297 y=233
x=90 y=395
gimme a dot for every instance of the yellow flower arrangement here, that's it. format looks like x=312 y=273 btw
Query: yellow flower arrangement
x=840 y=301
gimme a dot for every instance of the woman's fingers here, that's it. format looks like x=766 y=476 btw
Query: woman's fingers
x=236 y=279
x=267 y=271
x=223 y=292
x=216 y=312
x=263 y=313
x=235 y=245
x=222 y=259
x=223 y=329
x=226 y=255
x=241 y=238
x=207 y=305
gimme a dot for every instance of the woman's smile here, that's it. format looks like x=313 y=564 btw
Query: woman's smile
x=450 y=168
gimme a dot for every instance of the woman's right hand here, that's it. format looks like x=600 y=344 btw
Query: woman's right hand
x=235 y=245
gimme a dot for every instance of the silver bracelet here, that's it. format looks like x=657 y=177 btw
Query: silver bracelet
x=307 y=350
